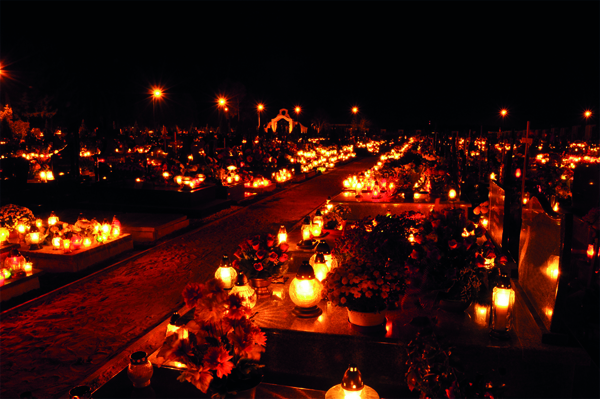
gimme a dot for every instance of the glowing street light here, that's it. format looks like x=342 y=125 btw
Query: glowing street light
x=259 y=109
x=221 y=101
x=587 y=114
x=157 y=94
x=354 y=110
x=503 y=112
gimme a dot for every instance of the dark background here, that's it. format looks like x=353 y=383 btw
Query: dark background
x=402 y=63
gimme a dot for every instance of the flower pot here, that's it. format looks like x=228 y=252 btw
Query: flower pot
x=367 y=322
x=261 y=286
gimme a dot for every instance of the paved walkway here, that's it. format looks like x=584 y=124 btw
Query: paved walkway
x=50 y=346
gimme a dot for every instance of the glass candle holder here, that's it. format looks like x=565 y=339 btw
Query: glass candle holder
x=140 y=370
x=503 y=299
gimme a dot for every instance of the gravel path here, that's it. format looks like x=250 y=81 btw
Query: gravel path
x=49 y=347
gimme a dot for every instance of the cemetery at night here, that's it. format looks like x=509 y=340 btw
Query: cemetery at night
x=285 y=200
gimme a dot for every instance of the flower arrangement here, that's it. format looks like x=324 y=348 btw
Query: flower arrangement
x=449 y=256
x=363 y=287
x=335 y=217
x=223 y=345
x=371 y=275
x=11 y=215
x=261 y=258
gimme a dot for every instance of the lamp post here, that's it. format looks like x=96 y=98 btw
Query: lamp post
x=156 y=95
x=259 y=109
x=355 y=112
x=587 y=114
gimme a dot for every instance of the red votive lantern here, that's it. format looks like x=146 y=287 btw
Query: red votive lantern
x=76 y=242
x=4 y=234
x=56 y=242
x=15 y=262
x=66 y=245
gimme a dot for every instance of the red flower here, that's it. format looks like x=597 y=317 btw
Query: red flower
x=192 y=293
x=236 y=264
x=284 y=247
x=258 y=266
x=503 y=260
x=217 y=358
x=479 y=231
x=238 y=254
x=419 y=239
x=200 y=377
x=273 y=257
x=435 y=223
x=255 y=244
x=249 y=159
x=261 y=254
x=414 y=255
x=270 y=240
x=452 y=244
x=283 y=258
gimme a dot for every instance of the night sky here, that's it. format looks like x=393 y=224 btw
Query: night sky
x=403 y=64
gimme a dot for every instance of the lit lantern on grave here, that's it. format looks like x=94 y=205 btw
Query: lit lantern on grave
x=52 y=219
x=56 y=242
x=115 y=230
x=247 y=292
x=34 y=238
x=306 y=232
x=226 y=274
x=484 y=222
x=503 y=299
x=305 y=292
x=172 y=327
x=39 y=223
x=282 y=235
x=375 y=194
x=482 y=313
x=66 y=245
x=5 y=272
x=4 y=234
x=15 y=262
x=76 y=241
x=105 y=228
x=328 y=205
x=316 y=230
x=320 y=267
x=552 y=270
x=87 y=242
x=452 y=194
x=49 y=175
x=590 y=251
x=28 y=267
x=518 y=173
x=178 y=180
x=318 y=220
x=493 y=176
x=22 y=227
x=352 y=387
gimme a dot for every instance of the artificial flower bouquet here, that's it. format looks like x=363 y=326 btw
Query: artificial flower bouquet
x=260 y=257
x=221 y=347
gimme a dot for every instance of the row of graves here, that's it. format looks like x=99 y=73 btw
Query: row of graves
x=158 y=173
x=398 y=287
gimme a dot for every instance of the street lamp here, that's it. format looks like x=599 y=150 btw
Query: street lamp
x=259 y=109
x=355 y=112
x=156 y=95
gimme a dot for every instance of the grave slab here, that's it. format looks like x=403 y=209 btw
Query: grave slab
x=56 y=261
x=17 y=286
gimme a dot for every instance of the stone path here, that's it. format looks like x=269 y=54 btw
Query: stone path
x=48 y=347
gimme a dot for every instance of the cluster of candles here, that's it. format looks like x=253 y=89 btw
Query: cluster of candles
x=258 y=182
x=283 y=175
x=190 y=182
x=231 y=177
x=100 y=233
x=322 y=157
x=15 y=265
x=372 y=146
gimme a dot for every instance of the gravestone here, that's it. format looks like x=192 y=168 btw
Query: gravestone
x=496 y=216
x=585 y=188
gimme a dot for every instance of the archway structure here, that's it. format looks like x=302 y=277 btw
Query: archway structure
x=283 y=114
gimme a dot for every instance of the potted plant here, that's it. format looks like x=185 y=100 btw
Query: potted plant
x=261 y=259
x=221 y=346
